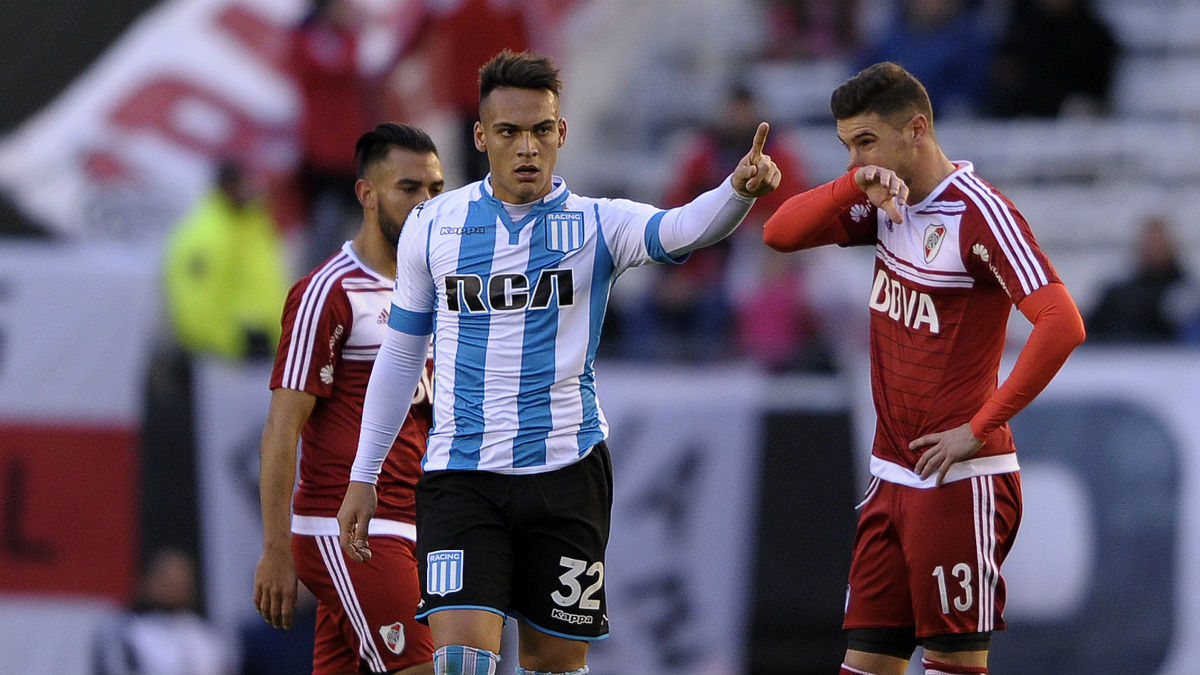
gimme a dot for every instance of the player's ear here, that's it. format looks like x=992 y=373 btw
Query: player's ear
x=920 y=126
x=562 y=132
x=480 y=142
x=365 y=193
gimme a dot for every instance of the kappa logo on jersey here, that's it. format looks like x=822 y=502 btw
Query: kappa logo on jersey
x=510 y=292
x=859 y=211
x=444 y=572
x=473 y=229
x=934 y=234
x=393 y=637
x=905 y=305
x=564 y=231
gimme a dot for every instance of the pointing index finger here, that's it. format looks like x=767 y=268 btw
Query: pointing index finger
x=760 y=140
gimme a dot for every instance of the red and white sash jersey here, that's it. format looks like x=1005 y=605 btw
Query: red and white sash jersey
x=945 y=282
x=334 y=320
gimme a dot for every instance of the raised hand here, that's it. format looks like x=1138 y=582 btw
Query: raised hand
x=756 y=174
x=884 y=189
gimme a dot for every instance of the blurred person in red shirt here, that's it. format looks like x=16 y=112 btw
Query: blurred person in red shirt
x=690 y=312
x=336 y=99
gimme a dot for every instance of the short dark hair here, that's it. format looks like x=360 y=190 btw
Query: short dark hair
x=522 y=70
x=374 y=145
x=886 y=89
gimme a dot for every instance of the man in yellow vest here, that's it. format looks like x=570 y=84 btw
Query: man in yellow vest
x=226 y=273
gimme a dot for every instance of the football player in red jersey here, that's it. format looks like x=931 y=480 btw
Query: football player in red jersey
x=334 y=320
x=952 y=257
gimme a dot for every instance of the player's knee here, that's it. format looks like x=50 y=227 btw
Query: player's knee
x=464 y=660
x=897 y=642
x=522 y=671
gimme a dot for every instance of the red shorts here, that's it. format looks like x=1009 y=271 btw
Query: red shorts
x=364 y=610
x=930 y=558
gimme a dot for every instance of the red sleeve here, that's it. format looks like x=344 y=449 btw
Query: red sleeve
x=316 y=322
x=1057 y=330
x=812 y=218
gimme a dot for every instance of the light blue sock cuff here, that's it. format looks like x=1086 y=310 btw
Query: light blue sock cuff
x=522 y=671
x=464 y=660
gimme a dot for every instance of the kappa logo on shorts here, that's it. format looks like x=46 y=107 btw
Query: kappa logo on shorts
x=564 y=231
x=393 y=637
x=444 y=572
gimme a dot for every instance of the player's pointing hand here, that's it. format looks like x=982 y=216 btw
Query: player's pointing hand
x=756 y=174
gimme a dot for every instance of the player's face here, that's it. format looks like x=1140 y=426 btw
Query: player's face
x=872 y=139
x=521 y=132
x=401 y=181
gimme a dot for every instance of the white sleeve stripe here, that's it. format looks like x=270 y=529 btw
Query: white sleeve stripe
x=295 y=373
x=1025 y=253
x=1028 y=268
x=1000 y=222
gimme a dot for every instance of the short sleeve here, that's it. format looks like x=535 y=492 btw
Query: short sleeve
x=316 y=322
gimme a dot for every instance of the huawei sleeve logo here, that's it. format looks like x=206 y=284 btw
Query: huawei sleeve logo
x=981 y=251
x=327 y=374
x=859 y=211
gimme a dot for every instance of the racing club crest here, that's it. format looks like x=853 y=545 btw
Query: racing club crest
x=564 y=231
x=934 y=233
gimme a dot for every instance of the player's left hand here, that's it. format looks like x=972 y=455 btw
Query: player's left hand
x=945 y=448
x=756 y=174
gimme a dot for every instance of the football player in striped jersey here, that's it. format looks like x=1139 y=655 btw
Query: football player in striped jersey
x=512 y=275
x=334 y=320
x=952 y=257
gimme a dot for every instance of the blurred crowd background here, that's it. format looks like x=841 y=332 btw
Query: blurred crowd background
x=212 y=140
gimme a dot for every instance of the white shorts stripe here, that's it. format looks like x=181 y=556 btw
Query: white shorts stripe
x=984 y=490
x=335 y=564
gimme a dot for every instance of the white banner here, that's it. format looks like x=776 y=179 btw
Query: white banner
x=128 y=147
x=76 y=325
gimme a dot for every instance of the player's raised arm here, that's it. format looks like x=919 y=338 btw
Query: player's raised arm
x=715 y=214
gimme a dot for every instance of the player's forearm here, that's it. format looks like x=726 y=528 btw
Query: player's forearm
x=704 y=221
x=277 y=475
x=394 y=379
x=810 y=218
x=1057 y=331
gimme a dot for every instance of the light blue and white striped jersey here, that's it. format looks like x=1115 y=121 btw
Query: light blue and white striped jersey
x=516 y=310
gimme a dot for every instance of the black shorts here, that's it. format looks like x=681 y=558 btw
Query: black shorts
x=529 y=545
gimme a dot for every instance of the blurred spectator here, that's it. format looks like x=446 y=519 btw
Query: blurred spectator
x=226 y=273
x=1054 y=57
x=811 y=29
x=458 y=37
x=336 y=98
x=268 y=651
x=1143 y=307
x=945 y=44
x=686 y=312
x=163 y=633
x=776 y=327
